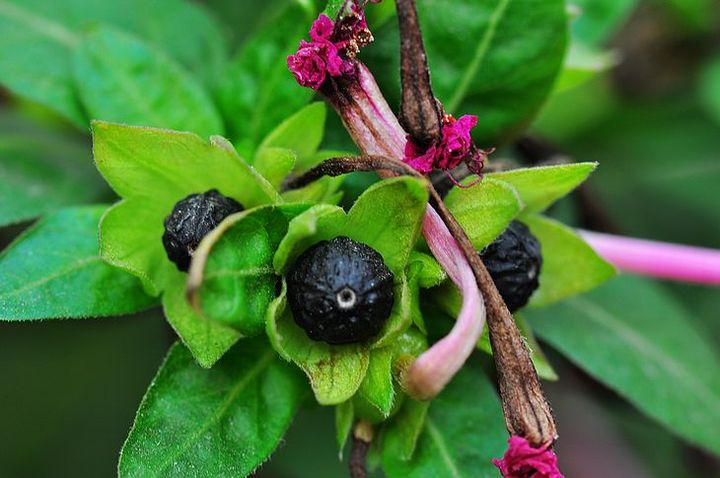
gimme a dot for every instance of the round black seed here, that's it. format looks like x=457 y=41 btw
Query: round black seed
x=340 y=291
x=192 y=219
x=514 y=261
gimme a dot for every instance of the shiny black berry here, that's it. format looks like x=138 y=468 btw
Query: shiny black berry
x=192 y=219
x=514 y=262
x=340 y=291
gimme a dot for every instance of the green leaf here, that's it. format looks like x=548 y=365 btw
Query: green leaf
x=632 y=337
x=497 y=58
x=581 y=65
x=377 y=387
x=333 y=7
x=42 y=171
x=301 y=133
x=710 y=88
x=207 y=340
x=335 y=371
x=404 y=429
x=257 y=92
x=232 y=279
x=484 y=210
x=599 y=20
x=423 y=272
x=122 y=79
x=541 y=186
x=39 y=37
x=228 y=419
x=463 y=431
x=344 y=418
x=275 y=164
x=54 y=270
x=386 y=217
x=561 y=247
x=325 y=190
x=154 y=169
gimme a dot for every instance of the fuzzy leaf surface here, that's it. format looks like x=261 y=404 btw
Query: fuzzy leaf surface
x=228 y=419
x=54 y=270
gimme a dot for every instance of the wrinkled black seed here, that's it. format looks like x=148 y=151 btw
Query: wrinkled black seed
x=340 y=291
x=192 y=219
x=514 y=260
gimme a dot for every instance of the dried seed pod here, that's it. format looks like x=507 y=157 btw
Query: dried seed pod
x=192 y=219
x=340 y=291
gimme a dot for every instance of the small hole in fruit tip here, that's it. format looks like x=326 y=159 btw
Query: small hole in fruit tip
x=346 y=298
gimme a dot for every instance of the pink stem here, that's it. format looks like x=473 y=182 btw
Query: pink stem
x=376 y=131
x=432 y=370
x=657 y=259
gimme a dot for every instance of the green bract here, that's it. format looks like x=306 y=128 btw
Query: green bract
x=152 y=169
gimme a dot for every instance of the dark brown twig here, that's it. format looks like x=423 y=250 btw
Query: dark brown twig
x=420 y=114
x=361 y=438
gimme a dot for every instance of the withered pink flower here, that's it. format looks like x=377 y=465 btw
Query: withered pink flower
x=522 y=460
x=454 y=147
x=313 y=62
x=322 y=28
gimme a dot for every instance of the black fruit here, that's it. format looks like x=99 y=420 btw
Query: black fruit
x=192 y=219
x=514 y=262
x=340 y=291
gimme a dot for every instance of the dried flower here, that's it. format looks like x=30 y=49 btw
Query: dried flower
x=522 y=460
x=455 y=146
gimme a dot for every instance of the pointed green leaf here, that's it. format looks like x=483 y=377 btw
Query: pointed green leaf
x=232 y=279
x=344 y=418
x=275 y=164
x=54 y=270
x=228 y=419
x=206 y=339
x=377 y=387
x=423 y=272
x=403 y=431
x=124 y=80
x=400 y=317
x=154 y=169
x=632 y=337
x=164 y=166
x=541 y=186
x=463 y=431
x=562 y=247
x=484 y=210
x=301 y=133
x=335 y=371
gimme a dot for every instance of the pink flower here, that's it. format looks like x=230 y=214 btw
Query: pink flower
x=521 y=460
x=313 y=62
x=322 y=28
x=454 y=147
x=456 y=141
x=419 y=159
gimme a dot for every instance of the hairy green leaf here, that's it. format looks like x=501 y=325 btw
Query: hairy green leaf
x=539 y=187
x=228 y=419
x=377 y=387
x=42 y=171
x=404 y=429
x=463 y=431
x=39 y=36
x=498 y=58
x=344 y=418
x=207 y=340
x=122 y=79
x=631 y=336
x=232 y=279
x=54 y=270
x=485 y=209
x=570 y=266
x=154 y=169
x=335 y=371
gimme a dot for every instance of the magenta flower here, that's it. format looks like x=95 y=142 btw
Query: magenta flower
x=313 y=62
x=322 y=28
x=522 y=460
x=454 y=147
